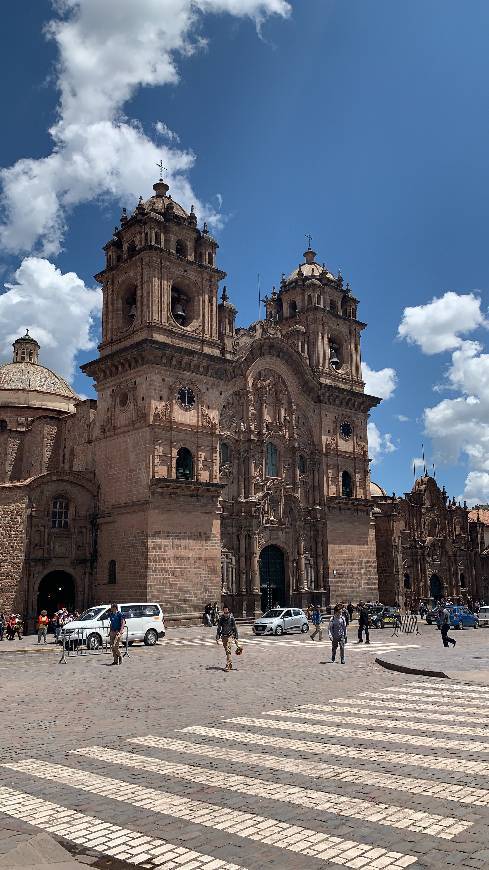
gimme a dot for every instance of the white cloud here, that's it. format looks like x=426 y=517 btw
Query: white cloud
x=107 y=50
x=402 y=418
x=378 y=444
x=439 y=325
x=476 y=488
x=58 y=309
x=219 y=201
x=380 y=383
x=164 y=131
x=459 y=427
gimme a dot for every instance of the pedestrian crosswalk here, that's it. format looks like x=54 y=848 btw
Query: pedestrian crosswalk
x=283 y=788
x=264 y=643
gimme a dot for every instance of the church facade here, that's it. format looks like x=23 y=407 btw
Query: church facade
x=217 y=463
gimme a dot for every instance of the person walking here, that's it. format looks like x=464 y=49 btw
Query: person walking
x=316 y=621
x=227 y=631
x=363 y=623
x=117 y=624
x=350 y=609
x=42 y=626
x=337 y=634
x=2 y=625
x=445 y=628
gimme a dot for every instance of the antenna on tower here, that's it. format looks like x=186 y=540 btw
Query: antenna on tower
x=259 y=296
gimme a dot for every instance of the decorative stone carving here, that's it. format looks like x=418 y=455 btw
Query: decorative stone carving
x=162 y=413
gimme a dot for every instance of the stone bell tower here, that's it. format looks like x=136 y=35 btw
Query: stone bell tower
x=156 y=432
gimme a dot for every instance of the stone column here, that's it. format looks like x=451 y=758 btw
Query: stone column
x=255 y=573
x=301 y=563
x=242 y=563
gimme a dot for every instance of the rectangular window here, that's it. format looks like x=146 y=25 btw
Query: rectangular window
x=60 y=513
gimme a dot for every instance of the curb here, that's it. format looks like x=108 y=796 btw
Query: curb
x=404 y=669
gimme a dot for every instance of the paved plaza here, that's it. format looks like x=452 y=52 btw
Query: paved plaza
x=289 y=761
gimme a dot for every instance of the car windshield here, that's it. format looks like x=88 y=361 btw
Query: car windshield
x=91 y=613
x=272 y=614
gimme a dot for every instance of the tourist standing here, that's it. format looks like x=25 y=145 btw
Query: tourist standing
x=117 y=624
x=227 y=631
x=316 y=621
x=350 y=609
x=337 y=634
x=2 y=625
x=42 y=626
x=363 y=623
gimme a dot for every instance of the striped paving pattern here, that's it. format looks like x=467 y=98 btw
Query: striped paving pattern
x=358 y=715
x=249 y=825
x=268 y=641
x=267 y=751
x=121 y=843
x=317 y=770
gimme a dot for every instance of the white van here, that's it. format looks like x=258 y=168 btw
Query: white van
x=483 y=616
x=144 y=622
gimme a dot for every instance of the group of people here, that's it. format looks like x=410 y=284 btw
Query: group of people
x=11 y=626
x=210 y=615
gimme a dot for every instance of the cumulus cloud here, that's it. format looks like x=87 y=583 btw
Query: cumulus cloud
x=459 y=427
x=380 y=383
x=164 y=131
x=378 y=444
x=439 y=325
x=58 y=309
x=106 y=52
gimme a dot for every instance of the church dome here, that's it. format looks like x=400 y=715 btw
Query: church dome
x=309 y=268
x=32 y=376
x=376 y=491
x=26 y=383
x=160 y=201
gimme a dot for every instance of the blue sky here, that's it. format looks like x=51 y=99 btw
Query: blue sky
x=365 y=124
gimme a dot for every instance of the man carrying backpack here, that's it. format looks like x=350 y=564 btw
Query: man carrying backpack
x=337 y=634
x=227 y=631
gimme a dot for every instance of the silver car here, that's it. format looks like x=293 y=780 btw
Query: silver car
x=281 y=620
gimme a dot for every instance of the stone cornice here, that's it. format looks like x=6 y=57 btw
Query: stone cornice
x=147 y=352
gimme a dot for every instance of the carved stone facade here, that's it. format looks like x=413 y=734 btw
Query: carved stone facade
x=216 y=462
x=429 y=547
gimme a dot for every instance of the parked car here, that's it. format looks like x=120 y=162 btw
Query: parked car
x=144 y=622
x=281 y=620
x=385 y=616
x=459 y=615
x=483 y=616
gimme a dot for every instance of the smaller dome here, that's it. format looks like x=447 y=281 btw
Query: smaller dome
x=33 y=377
x=309 y=268
x=160 y=200
x=376 y=491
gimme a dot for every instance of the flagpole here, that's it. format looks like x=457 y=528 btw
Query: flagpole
x=259 y=297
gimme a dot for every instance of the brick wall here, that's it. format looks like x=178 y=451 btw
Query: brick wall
x=351 y=549
x=13 y=511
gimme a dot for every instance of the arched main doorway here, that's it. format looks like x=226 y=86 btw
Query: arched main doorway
x=56 y=589
x=272 y=577
x=436 y=587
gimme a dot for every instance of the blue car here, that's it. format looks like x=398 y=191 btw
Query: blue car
x=461 y=617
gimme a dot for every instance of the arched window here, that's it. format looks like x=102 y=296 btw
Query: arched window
x=60 y=513
x=157 y=238
x=271 y=460
x=210 y=258
x=462 y=580
x=302 y=463
x=181 y=248
x=180 y=304
x=112 y=572
x=146 y=237
x=333 y=307
x=318 y=299
x=292 y=308
x=3 y=425
x=309 y=299
x=185 y=464
x=199 y=256
x=346 y=484
x=224 y=454
x=129 y=307
x=335 y=360
x=407 y=581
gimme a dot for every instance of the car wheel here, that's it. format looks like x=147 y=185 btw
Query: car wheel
x=279 y=630
x=459 y=627
x=305 y=627
x=381 y=625
x=476 y=625
x=94 y=641
x=150 y=637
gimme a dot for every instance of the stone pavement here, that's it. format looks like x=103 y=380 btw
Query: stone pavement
x=289 y=761
x=467 y=662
